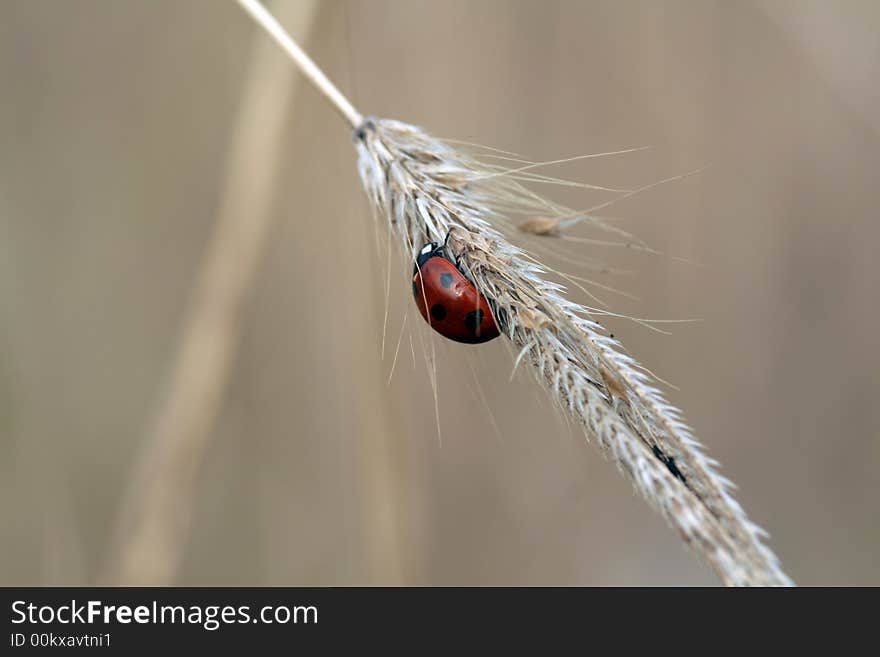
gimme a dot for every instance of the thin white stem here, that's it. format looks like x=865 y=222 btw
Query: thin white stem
x=315 y=75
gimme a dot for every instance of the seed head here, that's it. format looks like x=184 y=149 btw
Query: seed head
x=422 y=188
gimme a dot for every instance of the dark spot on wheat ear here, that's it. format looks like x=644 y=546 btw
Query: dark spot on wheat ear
x=669 y=462
x=360 y=133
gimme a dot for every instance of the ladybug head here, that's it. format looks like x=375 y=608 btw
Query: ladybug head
x=432 y=249
x=427 y=252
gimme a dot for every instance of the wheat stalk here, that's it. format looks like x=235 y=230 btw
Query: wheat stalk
x=421 y=188
x=152 y=524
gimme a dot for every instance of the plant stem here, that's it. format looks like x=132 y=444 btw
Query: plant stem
x=308 y=67
x=153 y=522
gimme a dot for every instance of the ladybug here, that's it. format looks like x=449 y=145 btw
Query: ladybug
x=448 y=301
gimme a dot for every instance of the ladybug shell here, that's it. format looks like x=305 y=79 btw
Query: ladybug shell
x=448 y=301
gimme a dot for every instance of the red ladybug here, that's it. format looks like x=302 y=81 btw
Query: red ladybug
x=448 y=301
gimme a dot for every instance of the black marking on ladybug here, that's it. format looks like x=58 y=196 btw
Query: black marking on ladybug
x=446 y=280
x=438 y=311
x=415 y=290
x=669 y=462
x=428 y=251
x=473 y=320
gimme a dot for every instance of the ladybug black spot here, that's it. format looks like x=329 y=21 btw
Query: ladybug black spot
x=438 y=311
x=446 y=280
x=473 y=320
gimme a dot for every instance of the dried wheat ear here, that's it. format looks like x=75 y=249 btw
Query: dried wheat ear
x=420 y=188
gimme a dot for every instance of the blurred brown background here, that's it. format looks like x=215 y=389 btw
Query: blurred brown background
x=115 y=122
